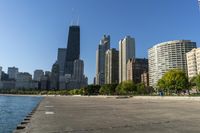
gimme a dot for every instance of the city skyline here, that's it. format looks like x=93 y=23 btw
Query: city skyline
x=33 y=45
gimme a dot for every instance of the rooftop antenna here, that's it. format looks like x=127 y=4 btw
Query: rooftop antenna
x=199 y=4
x=71 y=22
x=77 y=21
x=72 y=19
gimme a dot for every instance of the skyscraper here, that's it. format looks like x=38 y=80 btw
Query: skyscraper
x=126 y=51
x=61 y=60
x=68 y=71
x=73 y=48
x=45 y=81
x=38 y=74
x=78 y=79
x=135 y=68
x=100 y=59
x=0 y=72
x=12 y=72
x=54 y=78
x=168 y=55
x=78 y=73
x=193 y=62
x=112 y=66
x=23 y=80
x=24 y=77
x=145 y=78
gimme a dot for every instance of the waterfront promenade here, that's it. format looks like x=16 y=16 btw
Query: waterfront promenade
x=70 y=114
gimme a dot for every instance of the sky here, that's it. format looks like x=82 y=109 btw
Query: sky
x=31 y=31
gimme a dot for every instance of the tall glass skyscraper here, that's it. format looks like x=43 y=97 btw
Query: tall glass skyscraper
x=112 y=66
x=61 y=60
x=73 y=48
x=69 y=69
x=126 y=51
x=100 y=59
x=0 y=72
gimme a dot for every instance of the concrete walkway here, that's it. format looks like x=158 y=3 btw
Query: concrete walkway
x=110 y=115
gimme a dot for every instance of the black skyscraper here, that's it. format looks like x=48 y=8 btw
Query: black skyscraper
x=73 y=48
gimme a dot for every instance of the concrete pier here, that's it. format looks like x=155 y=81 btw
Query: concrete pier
x=59 y=114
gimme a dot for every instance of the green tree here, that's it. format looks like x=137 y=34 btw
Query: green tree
x=141 y=89
x=175 y=80
x=108 y=89
x=161 y=85
x=195 y=81
x=92 y=90
x=126 y=87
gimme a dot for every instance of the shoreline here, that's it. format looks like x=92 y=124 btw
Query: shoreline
x=20 y=95
x=190 y=98
x=27 y=119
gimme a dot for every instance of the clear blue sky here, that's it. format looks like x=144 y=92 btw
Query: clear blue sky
x=31 y=31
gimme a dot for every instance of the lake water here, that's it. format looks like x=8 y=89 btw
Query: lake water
x=13 y=109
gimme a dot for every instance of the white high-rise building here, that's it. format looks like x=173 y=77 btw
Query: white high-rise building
x=126 y=51
x=168 y=55
x=112 y=66
x=100 y=59
x=12 y=72
x=38 y=74
x=193 y=62
x=0 y=72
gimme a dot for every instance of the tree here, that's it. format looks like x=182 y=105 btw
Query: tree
x=149 y=89
x=195 y=81
x=108 y=89
x=91 y=90
x=126 y=87
x=175 y=80
x=161 y=85
x=141 y=89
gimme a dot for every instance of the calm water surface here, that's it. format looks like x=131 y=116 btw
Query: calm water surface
x=13 y=109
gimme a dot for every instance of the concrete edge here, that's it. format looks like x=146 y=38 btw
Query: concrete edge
x=22 y=126
x=168 y=98
x=191 y=98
